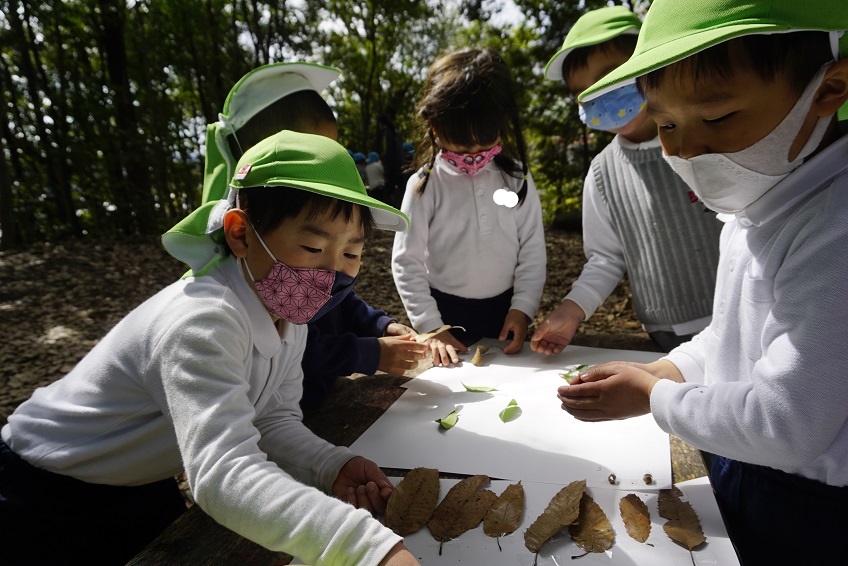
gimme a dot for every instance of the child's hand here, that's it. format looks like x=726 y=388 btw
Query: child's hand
x=515 y=322
x=399 y=556
x=445 y=346
x=558 y=328
x=400 y=353
x=398 y=329
x=363 y=484
x=616 y=390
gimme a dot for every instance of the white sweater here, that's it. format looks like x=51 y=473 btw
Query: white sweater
x=766 y=380
x=198 y=378
x=461 y=242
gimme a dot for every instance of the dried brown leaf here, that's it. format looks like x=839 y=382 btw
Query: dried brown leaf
x=462 y=508
x=421 y=338
x=560 y=512
x=683 y=526
x=477 y=358
x=505 y=514
x=592 y=531
x=636 y=517
x=413 y=501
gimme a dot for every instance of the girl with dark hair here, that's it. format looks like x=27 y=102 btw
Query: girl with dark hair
x=475 y=253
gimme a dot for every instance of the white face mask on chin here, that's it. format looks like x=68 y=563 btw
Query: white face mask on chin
x=730 y=182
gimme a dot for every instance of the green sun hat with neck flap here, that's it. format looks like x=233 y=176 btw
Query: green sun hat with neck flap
x=676 y=29
x=285 y=161
x=254 y=92
x=592 y=28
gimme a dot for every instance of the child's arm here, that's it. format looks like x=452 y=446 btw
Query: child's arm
x=558 y=328
x=530 y=269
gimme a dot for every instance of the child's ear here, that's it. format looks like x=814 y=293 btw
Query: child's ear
x=833 y=91
x=235 y=231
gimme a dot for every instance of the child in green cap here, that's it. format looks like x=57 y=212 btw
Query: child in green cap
x=637 y=216
x=354 y=337
x=745 y=95
x=205 y=376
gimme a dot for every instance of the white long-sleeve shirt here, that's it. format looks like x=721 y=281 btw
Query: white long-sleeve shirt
x=461 y=242
x=199 y=378
x=766 y=380
x=605 y=258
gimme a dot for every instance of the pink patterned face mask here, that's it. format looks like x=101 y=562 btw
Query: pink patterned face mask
x=470 y=163
x=300 y=294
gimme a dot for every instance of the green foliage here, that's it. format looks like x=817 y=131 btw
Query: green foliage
x=104 y=103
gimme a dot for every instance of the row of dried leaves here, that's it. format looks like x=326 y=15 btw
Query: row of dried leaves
x=414 y=504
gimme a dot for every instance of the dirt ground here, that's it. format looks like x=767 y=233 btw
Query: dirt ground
x=58 y=300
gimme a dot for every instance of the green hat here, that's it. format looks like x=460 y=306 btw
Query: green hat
x=254 y=92
x=592 y=28
x=674 y=30
x=288 y=160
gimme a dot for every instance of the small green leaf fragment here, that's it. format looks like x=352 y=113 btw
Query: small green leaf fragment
x=478 y=388
x=570 y=374
x=511 y=412
x=449 y=421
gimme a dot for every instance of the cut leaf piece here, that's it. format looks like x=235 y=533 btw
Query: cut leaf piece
x=683 y=526
x=636 y=517
x=421 y=338
x=449 y=421
x=478 y=388
x=592 y=531
x=572 y=372
x=477 y=358
x=511 y=412
x=560 y=512
x=413 y=501
x=505 y=514
x=462 y=508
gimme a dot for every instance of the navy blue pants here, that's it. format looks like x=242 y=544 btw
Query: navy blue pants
x=47 y=518
x=481 y=318
x=778 y=518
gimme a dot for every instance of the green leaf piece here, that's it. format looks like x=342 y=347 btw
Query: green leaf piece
x=570 y=374
x=511 y=412
x=449 y=421
x=478 y=388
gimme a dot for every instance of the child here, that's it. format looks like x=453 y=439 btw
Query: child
x=354 y=337
x=376 y=176
x=637 y=216
x=475 y=255
x=744 y=95
x=205 y=376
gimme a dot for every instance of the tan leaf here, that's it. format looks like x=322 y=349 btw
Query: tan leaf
x=636 y=517
x=477 y=358
x=560 y=512
x=421 y=338
x=505 y=514
x=462 y=508
x=413 y=501
x=683 y=526
x=592 y=531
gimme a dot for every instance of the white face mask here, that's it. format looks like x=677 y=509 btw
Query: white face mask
x=730 y=182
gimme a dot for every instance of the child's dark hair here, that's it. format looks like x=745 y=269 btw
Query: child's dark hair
x=795 y=55
x=469 y=98
x=269 y=207
x=578 y=58
x=302 y=111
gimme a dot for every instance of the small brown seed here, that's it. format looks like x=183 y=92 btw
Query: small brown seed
x=612 y=479
x=648 y=479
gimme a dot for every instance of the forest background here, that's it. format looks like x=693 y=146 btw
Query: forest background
x=104 y=103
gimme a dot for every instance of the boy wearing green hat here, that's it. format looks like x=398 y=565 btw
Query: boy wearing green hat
x=637 y=216
x=205 y=376
x=354 y=337
x=745 y=95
